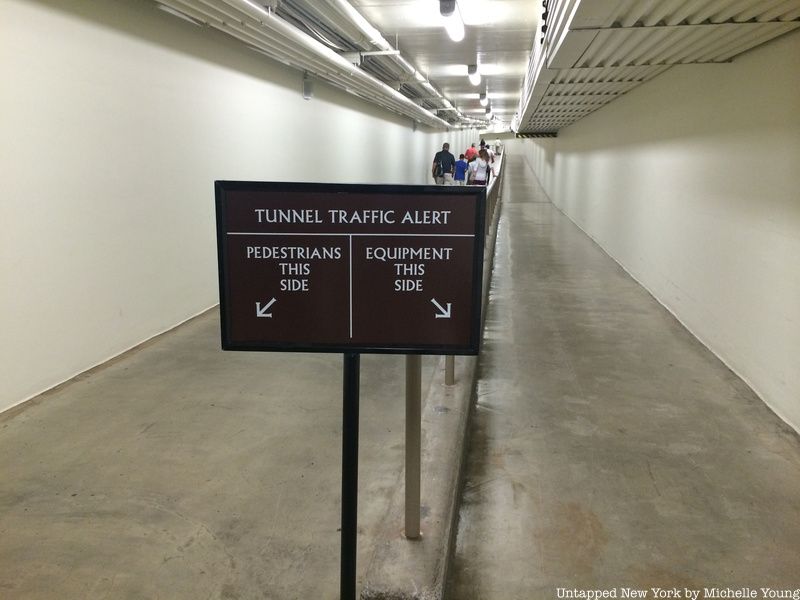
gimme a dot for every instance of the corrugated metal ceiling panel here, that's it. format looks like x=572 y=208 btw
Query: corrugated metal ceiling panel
x=694 y=12
x=614 y=45
x=676 y=44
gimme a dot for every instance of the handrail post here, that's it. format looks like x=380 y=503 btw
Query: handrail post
x=449 y=370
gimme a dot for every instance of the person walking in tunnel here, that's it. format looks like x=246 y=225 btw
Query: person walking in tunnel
x=444 y=165
x=462 y=166
x=479 y=169
x=471 y=153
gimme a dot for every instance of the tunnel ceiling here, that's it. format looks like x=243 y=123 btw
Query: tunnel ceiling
x=395 y=53
x=498 y=39
x=544 y=63
x=593 y=51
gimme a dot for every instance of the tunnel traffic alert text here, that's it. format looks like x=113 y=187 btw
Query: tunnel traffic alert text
x=338 y=216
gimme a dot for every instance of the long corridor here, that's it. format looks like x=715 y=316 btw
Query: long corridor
x=608 y=448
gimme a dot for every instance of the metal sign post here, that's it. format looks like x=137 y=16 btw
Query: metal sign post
x=350 y=384
x=350 y=269
x=413 y=444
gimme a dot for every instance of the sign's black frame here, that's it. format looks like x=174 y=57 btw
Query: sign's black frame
x=477 y=192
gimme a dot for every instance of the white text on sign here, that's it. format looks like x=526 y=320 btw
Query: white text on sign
x=348 y=217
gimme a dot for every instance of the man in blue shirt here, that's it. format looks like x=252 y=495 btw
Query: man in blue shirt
x=461 y=171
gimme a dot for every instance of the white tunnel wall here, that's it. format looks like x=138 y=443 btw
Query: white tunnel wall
x=692 y=183
x=116 y=119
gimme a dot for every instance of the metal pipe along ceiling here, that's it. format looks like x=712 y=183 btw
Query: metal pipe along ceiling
x=342 y=15
x=266 y=32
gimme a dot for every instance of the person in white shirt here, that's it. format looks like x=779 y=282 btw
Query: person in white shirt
x=479 y=169
x=488 y=148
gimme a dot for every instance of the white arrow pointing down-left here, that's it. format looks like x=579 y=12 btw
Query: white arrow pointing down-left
x=261 y=311
x=444 y=312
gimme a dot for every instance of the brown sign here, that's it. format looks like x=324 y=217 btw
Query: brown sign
x=350 y=268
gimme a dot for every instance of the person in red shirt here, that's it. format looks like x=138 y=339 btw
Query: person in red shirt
x=471 y=153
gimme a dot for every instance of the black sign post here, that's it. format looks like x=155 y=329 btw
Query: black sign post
x=347 y=581
x=350 y=269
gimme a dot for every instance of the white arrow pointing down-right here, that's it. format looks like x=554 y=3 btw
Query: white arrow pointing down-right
x=444 y=312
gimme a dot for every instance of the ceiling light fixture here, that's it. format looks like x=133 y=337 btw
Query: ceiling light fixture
x=483 y=100
x=474 y=76
x=453 y=23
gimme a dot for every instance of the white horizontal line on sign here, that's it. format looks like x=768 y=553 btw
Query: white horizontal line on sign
x=469 y=235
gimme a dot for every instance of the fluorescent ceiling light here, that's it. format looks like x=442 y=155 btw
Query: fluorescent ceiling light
x=473 y=74
x=453 y=23
x=454 y=28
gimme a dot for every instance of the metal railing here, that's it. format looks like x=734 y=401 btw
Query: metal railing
x=414 y=381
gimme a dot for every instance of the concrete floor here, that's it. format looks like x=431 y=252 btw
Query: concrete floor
x=608 y=447
x=180 y=472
